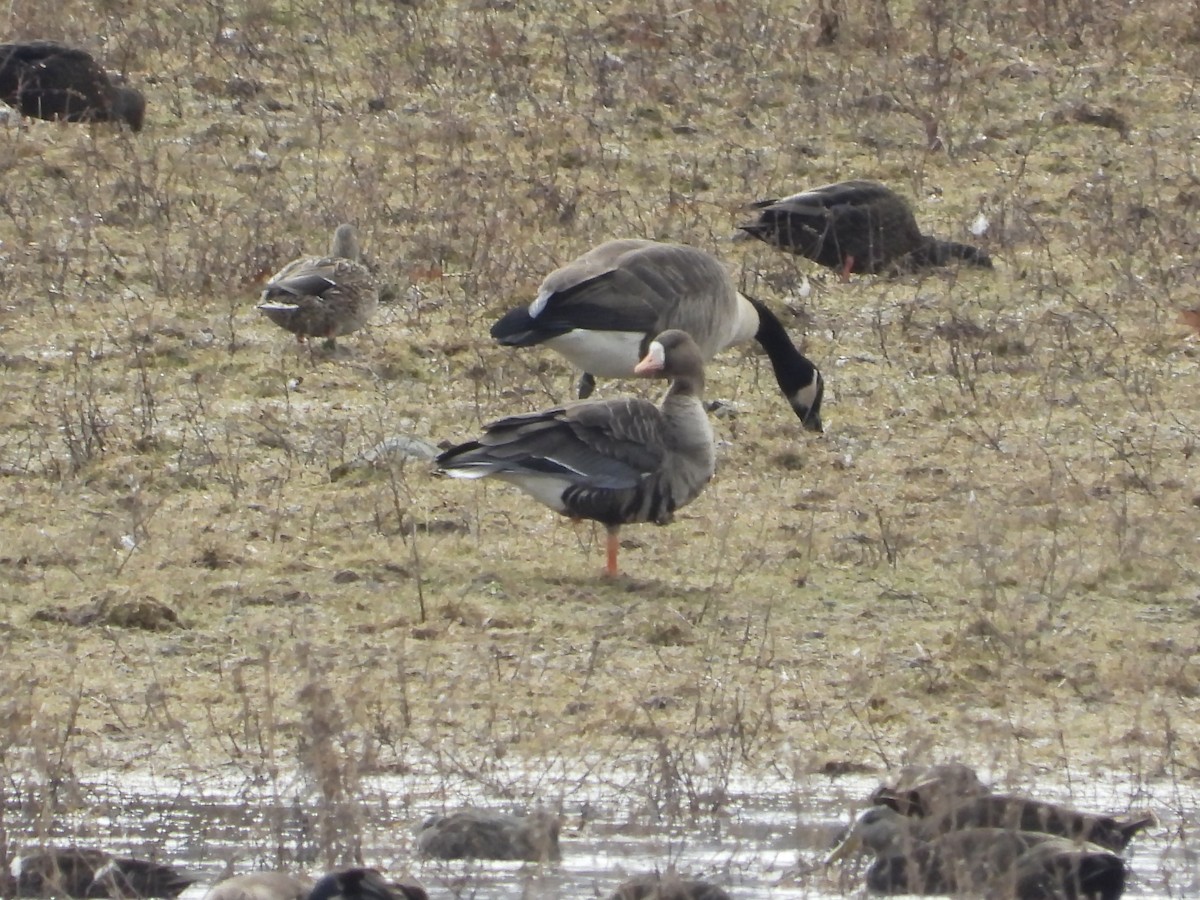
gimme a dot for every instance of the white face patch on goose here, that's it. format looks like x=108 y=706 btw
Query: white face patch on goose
x=653 y=361
x=539 y=303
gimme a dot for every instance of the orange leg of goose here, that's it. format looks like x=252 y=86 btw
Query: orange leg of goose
x=614 y=543
x=847 y=265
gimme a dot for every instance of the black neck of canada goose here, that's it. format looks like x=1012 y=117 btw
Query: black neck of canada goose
x=798 y=378
x=935 y=252
x=345 y=243
x=129 y=106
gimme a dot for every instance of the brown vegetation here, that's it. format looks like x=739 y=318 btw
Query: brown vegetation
x=991 y=552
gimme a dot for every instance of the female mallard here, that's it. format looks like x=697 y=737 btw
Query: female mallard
x=614 y=461
x=1026 y=865
x=855 y=226
x=48 y=80
x=323 y=296
x=601 y=310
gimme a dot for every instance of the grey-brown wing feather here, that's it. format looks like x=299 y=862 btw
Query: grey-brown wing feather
x=609 y=445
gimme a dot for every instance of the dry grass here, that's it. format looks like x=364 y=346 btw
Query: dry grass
x=992 y=552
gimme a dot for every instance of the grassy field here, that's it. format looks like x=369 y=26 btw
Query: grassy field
x=991 y=554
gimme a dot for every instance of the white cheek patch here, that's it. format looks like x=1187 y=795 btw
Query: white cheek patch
x=808 y=395
x=539 y=303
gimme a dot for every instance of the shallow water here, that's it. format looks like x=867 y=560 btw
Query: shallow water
x=763 y=839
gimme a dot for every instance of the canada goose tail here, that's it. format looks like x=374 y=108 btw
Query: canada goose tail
x=936 y=252
x=517 y=328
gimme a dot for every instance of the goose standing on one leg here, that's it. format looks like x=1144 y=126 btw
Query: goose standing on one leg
x=855 y=226
x=602 y=310
x=48 y=80
x=614 y=461
x=323 y=296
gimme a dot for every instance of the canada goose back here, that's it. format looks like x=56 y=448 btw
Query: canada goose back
x=601 y=310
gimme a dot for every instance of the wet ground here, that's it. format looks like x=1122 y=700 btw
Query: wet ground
x=760 y=838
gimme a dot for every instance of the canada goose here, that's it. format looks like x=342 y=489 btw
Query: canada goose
x=261 y=886
x=667 y=887
x=485 y=834
x=363 y=884
x=323 y=296
x=1015 y=812
x=86 y=872
x=855 y=226
x=602 y=310
x=48 y=80
x=615 y=461
x=1005 y=862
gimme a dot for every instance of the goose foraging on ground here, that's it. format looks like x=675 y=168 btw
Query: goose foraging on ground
x=855 y=226
x=1014 y=812
x=614 y=461
x=87 y=872
x=49 y=80
x=1007 y=862
x=323 y=296
x=601 y=311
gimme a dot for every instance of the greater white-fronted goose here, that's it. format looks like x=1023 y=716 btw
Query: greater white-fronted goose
x=602 y=310
x=48 y=80
x=261 y=886
x=488 y=834
x=87 y=872
x=323 y=296
x=993 y=862
x=855 y=226
x=615 y=461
